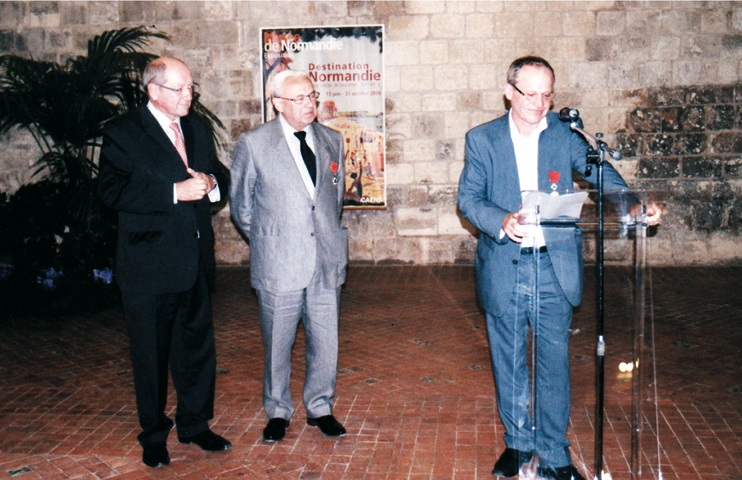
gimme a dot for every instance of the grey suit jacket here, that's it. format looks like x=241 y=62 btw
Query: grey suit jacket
x=489 y=189
x=291 y=235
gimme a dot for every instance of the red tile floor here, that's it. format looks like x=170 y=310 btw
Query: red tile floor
x=414 y=388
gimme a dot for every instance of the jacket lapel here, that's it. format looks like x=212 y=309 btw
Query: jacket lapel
x=283 y=157
x=546 y=160
x=322 y=153
x=509 y=167
x=187 y=128
x=152 y=127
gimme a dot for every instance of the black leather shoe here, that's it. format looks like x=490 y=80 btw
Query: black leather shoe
x=562 y=473
x=155 y=455
x=328 y=425
x=275 y=430
x=510 y=462
x=209 y=441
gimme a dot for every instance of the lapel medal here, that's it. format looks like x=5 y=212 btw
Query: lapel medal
x=554 y=179
x=334 y=168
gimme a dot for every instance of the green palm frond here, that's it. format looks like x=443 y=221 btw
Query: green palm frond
x=126 y=39
x=66 y=166
x=24 y=90
x=114 y=64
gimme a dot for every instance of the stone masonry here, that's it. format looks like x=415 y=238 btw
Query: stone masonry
x=660 y=79
x=687 y=141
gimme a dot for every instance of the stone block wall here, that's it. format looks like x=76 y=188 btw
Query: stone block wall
x=660 y=79
x=687 y=141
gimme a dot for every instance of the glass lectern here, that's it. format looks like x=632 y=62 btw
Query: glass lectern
x=623 y=223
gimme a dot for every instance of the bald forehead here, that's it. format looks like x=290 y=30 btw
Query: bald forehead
x=166 y=61
x=158 y=69
x=530 y=70
x=175 y=65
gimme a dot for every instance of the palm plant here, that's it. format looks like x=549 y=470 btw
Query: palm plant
x=64 y=107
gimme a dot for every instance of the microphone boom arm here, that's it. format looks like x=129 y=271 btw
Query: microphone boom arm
x=597 y=142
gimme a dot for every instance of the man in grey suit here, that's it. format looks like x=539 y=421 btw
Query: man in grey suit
x=528 y=149
x=286 y=196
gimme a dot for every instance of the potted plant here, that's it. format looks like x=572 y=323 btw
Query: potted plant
x=57 y=238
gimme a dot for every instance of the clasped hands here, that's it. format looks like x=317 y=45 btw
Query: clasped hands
x=515 y=229
x=195 y=188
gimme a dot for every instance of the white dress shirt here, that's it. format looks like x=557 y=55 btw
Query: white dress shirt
x=526 y=156
x=295 y=147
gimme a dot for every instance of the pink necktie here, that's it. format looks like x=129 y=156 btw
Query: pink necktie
x=179 y=143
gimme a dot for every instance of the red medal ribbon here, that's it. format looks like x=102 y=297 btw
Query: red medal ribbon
x=553 y=176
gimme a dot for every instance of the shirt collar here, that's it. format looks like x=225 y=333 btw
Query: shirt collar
x=162 y=118
x=288 y=130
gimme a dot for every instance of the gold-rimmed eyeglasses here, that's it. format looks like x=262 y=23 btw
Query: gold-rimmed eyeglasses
x=192 y=87
x=302 y=98
x=532 y=96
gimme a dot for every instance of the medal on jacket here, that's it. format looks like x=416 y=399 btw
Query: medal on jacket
x=334 y=168
x=554 y=179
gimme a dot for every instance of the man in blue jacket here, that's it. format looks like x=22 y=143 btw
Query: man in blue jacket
x=528 y=149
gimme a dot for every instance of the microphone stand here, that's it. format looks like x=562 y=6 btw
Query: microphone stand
x=596 y=156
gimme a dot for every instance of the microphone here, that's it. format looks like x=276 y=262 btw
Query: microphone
x=569 y=114
x=572 y=115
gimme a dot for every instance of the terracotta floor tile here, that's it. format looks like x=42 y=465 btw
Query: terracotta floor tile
x=414 y=386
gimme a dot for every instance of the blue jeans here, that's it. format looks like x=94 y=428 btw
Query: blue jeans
x=508 y=340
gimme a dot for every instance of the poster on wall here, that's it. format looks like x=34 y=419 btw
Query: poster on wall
x=347 y=68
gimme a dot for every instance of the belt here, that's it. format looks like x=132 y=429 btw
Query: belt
x=529 y=250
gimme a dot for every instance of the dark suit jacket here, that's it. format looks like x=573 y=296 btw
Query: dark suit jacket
x=292 y=235
x=159 y=242
x=489 y=189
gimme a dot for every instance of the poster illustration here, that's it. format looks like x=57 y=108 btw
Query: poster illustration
x=346 y=66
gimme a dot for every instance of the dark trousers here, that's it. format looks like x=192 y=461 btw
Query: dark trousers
x=172 y=329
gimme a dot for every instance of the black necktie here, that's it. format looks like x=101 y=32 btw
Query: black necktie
x=308 y=155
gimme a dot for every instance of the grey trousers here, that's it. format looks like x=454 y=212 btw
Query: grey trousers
x=280 y=314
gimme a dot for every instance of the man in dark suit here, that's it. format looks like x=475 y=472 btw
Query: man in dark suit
x=528 y=149
x=286 y=196
x=157 y=170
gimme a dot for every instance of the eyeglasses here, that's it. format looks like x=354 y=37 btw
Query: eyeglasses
x=193 y=88
x=532 y=97
x=302 y=98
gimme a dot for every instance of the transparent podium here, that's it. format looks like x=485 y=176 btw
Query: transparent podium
x=620 y=221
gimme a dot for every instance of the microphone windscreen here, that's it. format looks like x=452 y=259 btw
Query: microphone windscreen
x=568 y=114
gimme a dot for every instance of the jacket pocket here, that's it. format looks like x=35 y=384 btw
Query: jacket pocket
x=144 y=237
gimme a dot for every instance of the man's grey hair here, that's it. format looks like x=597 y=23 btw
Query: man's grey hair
x=280 y=79
x=531 y=61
